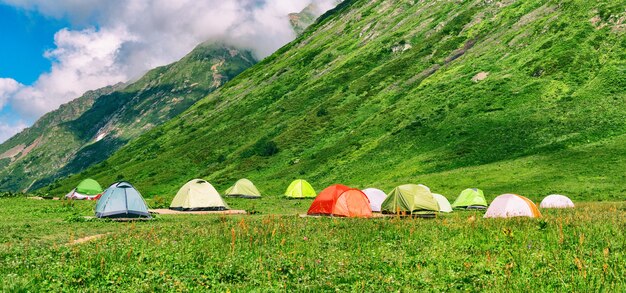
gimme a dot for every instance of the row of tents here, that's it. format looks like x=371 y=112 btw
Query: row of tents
x=90 y=189
x=418 y=200
x=123 y=200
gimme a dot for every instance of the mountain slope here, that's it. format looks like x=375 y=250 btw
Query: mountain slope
x=91 y=128
x=300 y=21
x=508 y=96
x=18 y=148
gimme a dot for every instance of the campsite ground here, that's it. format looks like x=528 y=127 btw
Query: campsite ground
x=567 y=250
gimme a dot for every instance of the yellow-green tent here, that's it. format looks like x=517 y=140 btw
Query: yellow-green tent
x=300 y=189
x=243 y=188
x=198 y=195
x=471 y=198
x=89 y=187
x=410 y=199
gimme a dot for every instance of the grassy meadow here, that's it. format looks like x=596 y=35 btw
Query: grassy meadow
x=580 y=249
x=509 y=96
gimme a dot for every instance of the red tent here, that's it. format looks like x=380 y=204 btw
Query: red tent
x=341 y=200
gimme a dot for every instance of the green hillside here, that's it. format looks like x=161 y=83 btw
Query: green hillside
x=89 y=129
x=509 y=96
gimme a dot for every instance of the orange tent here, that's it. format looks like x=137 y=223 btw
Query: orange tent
x=341 y=200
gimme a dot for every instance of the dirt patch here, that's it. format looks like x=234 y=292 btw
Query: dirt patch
x=374 y=215
x=217 y=77
x=87 y=239
x=365 y=29
x=431 y=70
x=617 y=22
x=384 y=6
x=172 y=212
x=424 y=74
x=480 y=76
x=460 y=52
x=43 y=198
x=14 y=151
x=534 y=15
x=619 y=25
x=401 y=48
x=31 y=147
x=595 y=21
x=476 y=20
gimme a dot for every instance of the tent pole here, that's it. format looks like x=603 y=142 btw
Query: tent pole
x=126 y=200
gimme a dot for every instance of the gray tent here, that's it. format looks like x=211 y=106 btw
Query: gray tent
x=121 y=200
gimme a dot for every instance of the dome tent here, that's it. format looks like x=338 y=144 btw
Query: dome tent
x=300 y=189
x=122 y=200
x=88 y=189
x=410 y=199
x=243 y=188
x=340 y=200
x=198 y=195
x=471 y=198
x=556 y=201
x=512 y=205
x=444 y=204
x=376 y=197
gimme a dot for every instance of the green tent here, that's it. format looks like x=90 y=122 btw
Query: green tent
x=89 y=187
x=300 y=189
x=198 y=195
x=410 y=199
x=471 y=198
x=243 y=188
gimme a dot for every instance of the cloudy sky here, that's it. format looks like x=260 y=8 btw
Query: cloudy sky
x=53 y=51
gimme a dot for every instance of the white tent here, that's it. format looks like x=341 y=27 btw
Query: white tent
x=444 y=204
x=376 y=197
x=512 y=205
x=556 y=201
x=76 y=195
x=198 y=195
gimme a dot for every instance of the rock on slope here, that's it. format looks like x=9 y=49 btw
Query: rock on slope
x=384 y=92
x=91 y=128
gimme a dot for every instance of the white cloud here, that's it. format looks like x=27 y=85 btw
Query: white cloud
x=8 y=130
x=82 y=60
x=8 y=87
x=122 y=39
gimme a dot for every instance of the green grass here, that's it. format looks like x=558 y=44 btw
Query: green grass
x=338 y=105
x=580 y=249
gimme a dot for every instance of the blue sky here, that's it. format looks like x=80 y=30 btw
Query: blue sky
x=24 y=37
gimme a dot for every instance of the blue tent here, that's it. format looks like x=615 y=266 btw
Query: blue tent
x=121 y=200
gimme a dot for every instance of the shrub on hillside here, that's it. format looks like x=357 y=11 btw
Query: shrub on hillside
x=263 y=148
x=8 y=194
